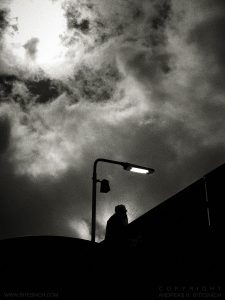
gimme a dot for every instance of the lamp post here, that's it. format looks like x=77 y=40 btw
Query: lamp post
x=128 y=167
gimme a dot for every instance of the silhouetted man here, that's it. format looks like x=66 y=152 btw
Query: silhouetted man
x=116 y=224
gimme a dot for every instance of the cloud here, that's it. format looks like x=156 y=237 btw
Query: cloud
x=6 y=84
x=98 y=22
x=31 y=48
x=49 y=139
x=44 y=89
x=4 y=23
x=142 y=82
x=97 y=84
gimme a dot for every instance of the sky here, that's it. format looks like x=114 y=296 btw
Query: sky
x=139 y=81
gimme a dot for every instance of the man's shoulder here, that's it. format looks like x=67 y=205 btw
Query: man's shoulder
x=112 y=218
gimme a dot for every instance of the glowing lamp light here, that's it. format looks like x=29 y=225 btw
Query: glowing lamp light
x=137 y=169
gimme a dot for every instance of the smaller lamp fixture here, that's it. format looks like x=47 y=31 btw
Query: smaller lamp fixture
x=105 y=188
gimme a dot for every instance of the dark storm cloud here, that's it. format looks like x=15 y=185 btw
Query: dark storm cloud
x=40 y=88
x=77 y=23
x=31 y=48
x=163 y=12
x=6 y=85
x=100 y=22
x=73 y=23
x=45 y=89
x=74 y=16
x=97 y=85
x=4 y=23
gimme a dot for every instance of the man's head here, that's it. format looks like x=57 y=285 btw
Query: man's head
x=120 y=209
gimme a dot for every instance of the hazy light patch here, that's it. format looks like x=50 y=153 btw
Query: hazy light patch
x=43 y=20
x=80 y=228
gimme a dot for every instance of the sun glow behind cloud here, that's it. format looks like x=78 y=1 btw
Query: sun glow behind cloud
x=81 y=228
x=43 y=20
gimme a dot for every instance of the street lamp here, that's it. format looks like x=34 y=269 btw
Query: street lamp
x=105 y=184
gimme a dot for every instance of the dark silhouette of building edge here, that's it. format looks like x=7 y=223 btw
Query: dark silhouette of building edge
x=179 y=242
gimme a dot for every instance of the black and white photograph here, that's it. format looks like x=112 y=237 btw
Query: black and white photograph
x=112 y=149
